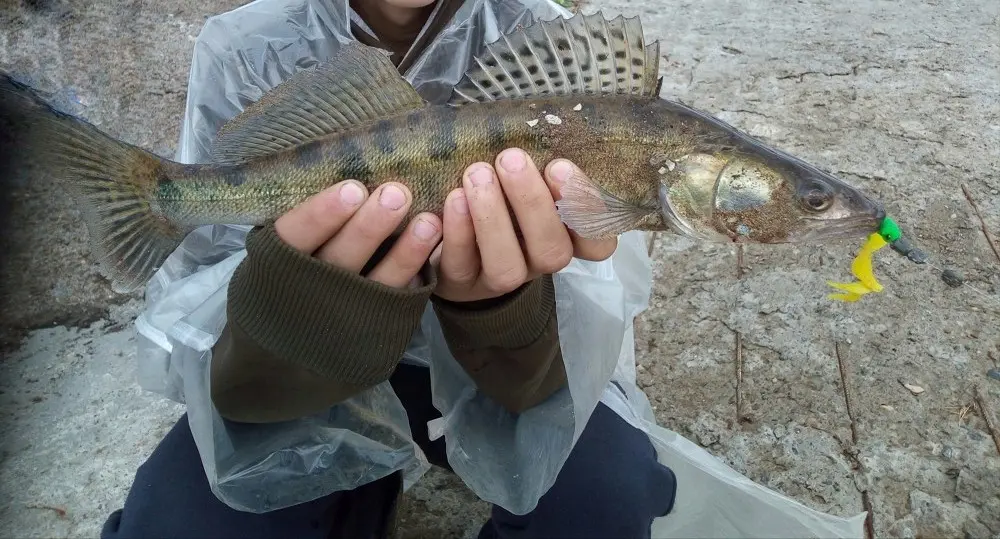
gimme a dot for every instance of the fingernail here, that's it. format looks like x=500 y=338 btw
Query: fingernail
x=424 y=230
x=513 y=161
x=351 y=194
x=392 y=197
x=560 y=171
x=460 y=205
x=481 y=176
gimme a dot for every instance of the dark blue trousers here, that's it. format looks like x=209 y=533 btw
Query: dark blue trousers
x=610 y=487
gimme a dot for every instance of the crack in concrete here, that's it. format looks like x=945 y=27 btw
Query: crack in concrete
x=915 y=138
x=872 y=177
x=801 y=76
x=697 y=62
x=746 y=111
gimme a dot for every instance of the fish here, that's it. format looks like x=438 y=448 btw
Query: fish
x=585 y=88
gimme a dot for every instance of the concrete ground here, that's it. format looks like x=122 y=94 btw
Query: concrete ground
x=898 y=97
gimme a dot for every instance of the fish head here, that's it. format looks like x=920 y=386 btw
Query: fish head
x=763 y=197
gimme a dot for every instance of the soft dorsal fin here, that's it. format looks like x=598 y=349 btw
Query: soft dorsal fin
x=358 y=85
x=586 y=54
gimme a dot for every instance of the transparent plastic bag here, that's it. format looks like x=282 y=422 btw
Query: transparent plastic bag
x=505 y=459
x=713 y=500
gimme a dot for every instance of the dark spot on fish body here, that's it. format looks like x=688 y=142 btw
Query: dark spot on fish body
x=309 y=155
x=414 y=119
x=168 y=190
x=235 y=176
x=383 y=139
x=350 y=160
x=496 y=135
x=442 y=144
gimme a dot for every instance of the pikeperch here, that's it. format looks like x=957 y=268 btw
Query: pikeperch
x=586 y=89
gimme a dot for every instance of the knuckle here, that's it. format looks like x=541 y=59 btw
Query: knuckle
x=461 y=276
x=553 y=258
x=506 y=280
x=596 y=251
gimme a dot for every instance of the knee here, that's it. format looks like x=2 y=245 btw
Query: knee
x=612 y=485
x=615 y=466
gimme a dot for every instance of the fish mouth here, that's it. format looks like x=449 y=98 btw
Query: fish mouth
x=851 y=227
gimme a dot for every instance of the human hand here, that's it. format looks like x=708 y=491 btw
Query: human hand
x=343 y=226
x=480 y=256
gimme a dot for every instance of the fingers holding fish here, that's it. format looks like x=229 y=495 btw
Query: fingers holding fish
x=557 y=172
x=312 y=223
x=409 y=253
x=504 y=268
x=355 y=243
x=546 y=241
x=459 y=263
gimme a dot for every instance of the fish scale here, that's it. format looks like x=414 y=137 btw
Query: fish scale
x=584 y=88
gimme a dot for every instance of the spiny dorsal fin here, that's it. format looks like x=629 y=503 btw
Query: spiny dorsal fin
x=586 y=54
x=358 y=85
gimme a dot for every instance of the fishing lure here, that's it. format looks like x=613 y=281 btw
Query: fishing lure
x=861 y=267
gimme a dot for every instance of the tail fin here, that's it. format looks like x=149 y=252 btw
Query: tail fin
x=114 y=183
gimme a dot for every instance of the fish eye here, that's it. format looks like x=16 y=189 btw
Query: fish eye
x=817 y=197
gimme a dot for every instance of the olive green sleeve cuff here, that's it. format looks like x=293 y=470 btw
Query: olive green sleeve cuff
x=307 y=312
x=516 y=322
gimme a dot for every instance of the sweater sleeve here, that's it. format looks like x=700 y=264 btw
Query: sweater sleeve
x=509 y=348
x=302 y=335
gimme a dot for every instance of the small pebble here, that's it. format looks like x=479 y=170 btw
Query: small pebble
x=915 y=389
x=952 y=278
x=993 y=373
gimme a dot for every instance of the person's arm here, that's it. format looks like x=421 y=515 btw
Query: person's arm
x=308 y=324
x=495 y=297
x=303 y=335
x=510 y=349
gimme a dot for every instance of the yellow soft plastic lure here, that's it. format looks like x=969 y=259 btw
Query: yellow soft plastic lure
x=862 y=265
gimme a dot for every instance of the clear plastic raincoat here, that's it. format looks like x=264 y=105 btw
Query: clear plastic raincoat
x=505 y=459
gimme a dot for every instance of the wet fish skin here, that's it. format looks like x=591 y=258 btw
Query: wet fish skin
x=611 y=138
x=622 y=142
x=587 y=89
